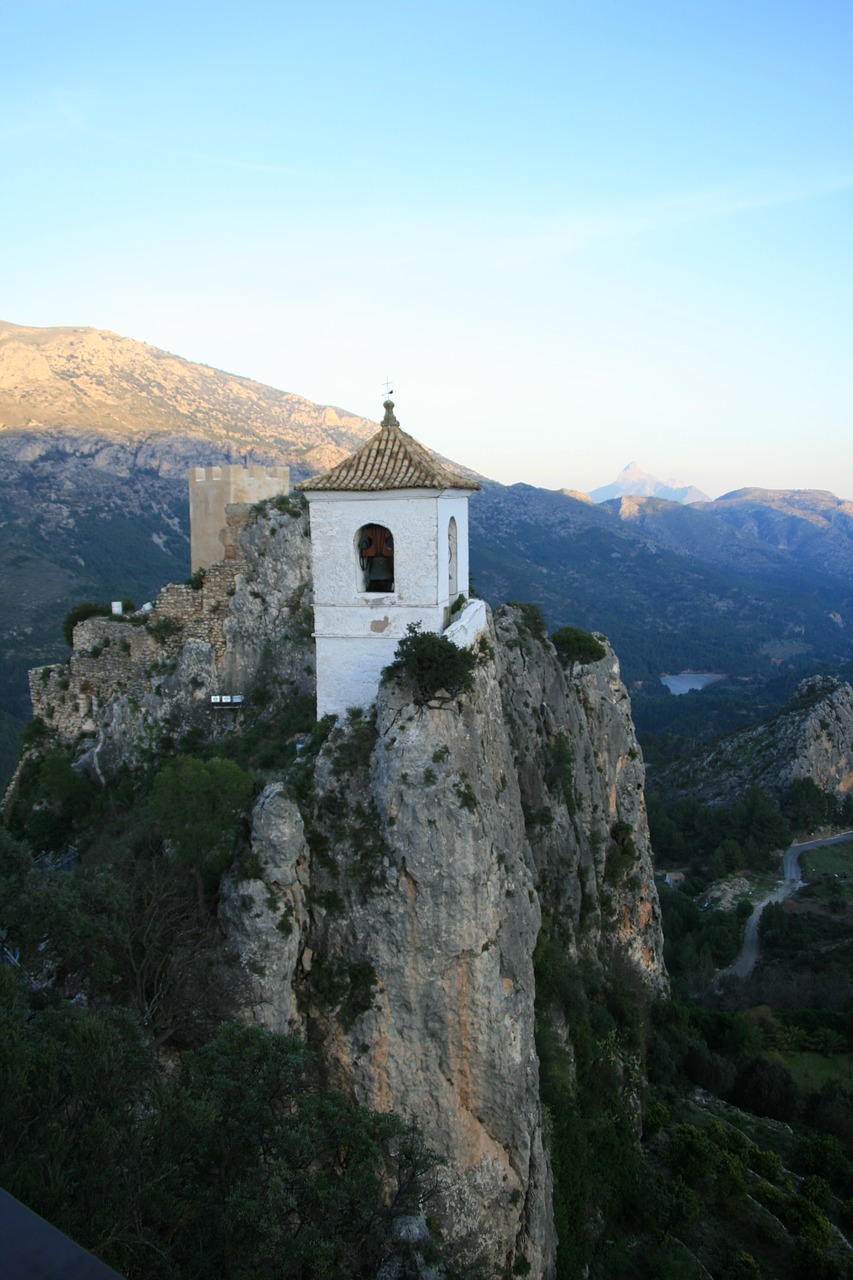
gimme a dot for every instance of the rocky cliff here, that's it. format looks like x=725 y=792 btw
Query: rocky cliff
x=135 y=685
x=401 y=897
x=399 y=872
x=812 y=737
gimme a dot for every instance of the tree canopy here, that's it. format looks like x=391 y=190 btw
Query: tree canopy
x=199 y=804
x=577 y=647
x=238 y=1164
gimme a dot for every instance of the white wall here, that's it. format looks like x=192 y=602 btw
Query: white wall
x=349 y=668
x=357 y=632
x=348 y=672
x=472 y=622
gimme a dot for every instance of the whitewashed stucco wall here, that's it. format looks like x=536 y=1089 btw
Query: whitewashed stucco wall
x=357 y=632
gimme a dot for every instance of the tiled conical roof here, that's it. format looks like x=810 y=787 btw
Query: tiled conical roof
x=390 y=460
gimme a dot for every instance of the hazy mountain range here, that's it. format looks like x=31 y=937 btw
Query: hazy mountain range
x=97 y=432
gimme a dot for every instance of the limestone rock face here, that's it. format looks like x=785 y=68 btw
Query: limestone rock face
x=436 y=834
x=265 y=917
x=826 y=739
x=268 y=628
x=446 y=929
x=459 y=843
x=581 y=777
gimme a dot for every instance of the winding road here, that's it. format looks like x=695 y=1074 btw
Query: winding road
x=790 y=883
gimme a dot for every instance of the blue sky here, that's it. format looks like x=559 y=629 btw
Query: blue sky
x=573 y=235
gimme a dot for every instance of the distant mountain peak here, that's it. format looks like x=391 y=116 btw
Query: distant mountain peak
x=634 y=482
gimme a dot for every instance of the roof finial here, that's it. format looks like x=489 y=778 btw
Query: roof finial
x=389 y=420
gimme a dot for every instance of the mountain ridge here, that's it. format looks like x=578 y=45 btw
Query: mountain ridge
x=632 y=480
x=57 y=379
x=95 y=506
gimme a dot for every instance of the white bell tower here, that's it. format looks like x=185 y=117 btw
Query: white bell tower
x=389 y=543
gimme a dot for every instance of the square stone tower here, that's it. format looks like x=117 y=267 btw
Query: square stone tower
x=389 y=544
x=211 y=489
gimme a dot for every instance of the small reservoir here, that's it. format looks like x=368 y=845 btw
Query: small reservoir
x=685 y=681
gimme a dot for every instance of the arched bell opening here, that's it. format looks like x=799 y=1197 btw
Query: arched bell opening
x=375 y=551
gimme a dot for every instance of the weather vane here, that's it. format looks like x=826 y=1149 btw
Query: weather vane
x=389 y=390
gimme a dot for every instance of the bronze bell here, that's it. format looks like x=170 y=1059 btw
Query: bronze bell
x=380 y=574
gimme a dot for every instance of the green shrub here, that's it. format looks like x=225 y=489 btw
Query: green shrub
x=52 y=802
x=818 y=1191
x=292 y=504
x=237 y=1160
x=575 y=646
x=534 y=818
x=251 y=867
x=559 y=769
x=163 y=628
x=742 y=1266
x=79 y=613
x=353 y=743
x=691 y=1154
x=466 y=795
x=771 y=1197
x=346 y=986
x=199 y=805
x=431 y=665
x=766 y=1163
x=622 y=854
x=34 y=733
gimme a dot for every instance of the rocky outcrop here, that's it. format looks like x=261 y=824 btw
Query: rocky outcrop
x=389 y=903
x=450 y=934
x=812 y=737
x=134 y=684
x=433 y=835
x=581 y=777
x=263 y=910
